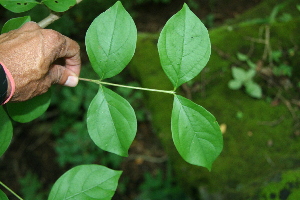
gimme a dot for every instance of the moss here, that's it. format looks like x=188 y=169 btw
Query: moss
x=283 y=186
x=256 y=145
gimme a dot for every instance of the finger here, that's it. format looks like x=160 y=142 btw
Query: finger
x=63 y=76
x=71 y=53
x=29 y=26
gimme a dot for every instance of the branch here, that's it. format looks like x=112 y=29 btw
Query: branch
x=53 y=16
x=49 y=20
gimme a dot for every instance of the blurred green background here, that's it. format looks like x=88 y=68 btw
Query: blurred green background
x=261 y=156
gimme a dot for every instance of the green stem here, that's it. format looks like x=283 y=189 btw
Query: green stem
x=126 y=86
x=10 y=190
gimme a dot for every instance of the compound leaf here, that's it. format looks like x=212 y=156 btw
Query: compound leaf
x=29 y=110
x=111 y=122
x=196 y=133
x=18 y=6
x=111 y=41
x=59 y=5
x=15 y=23
x=184 y=46
x=86 y=182
x=6 y=131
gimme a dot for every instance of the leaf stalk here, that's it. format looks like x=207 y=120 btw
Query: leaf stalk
x=126 y=86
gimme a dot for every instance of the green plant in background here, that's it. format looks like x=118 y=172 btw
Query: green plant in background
x=241 y=78
x=184 y=50
x=274 y=58
x=161 y=186
x=31 y=187
x=280 y=68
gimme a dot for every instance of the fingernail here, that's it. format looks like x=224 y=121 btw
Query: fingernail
x=72 y=81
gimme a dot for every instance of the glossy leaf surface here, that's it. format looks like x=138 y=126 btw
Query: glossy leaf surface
x=111 y=41
x=14 y=23
x=88 y=182
x=29 y=110
x=111 y=122
x=184 y=47
x=6 y=131
x=59 y=5
x=196 y=133
x=18 y=6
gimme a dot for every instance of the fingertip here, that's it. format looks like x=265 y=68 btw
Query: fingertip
x=72 y=81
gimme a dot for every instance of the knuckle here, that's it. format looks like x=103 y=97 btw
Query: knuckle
x=52 y=36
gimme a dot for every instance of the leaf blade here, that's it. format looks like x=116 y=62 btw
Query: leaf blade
x=15 y=23
x=111 y=122
x=29 y=110
x=59 y=5
x=3 y=196
x=195 y=132
x=18 y=6
x=184 y=47
x=111 y=41
x=86 y=182
x=6 y=131
x=253 y=89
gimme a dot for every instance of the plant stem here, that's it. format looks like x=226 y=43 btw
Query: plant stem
x=52 y=17
x=126 y=86
x=10 y=190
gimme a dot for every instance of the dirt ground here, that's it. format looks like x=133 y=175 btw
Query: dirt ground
x=34 y=151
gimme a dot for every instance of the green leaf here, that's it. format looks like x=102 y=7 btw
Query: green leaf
x=239 y=74
x=3 y=195
x=250 y=74
x=298 y=7
x=29 y=110
x=196 y=133
x=111 y=41
x=251 y=64
x=86 y=182
x=59 y=5
x=242 y=57
x=184 y=46
x=235 y=84
x=111 y=122
x=14 y=23
x=6 y=131
x=253 y=89
x=18 y=6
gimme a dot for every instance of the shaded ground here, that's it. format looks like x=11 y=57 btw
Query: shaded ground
x=32 y=148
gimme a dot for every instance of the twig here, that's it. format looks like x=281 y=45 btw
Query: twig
x=288 y=105
x=52 y=17
x=272 y=123
x=49 y=20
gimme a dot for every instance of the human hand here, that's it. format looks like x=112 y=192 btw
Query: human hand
x=30 y=53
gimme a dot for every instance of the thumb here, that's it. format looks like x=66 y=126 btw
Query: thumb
x=63 y=76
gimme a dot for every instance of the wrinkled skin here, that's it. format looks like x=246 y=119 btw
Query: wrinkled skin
x=31 y=54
